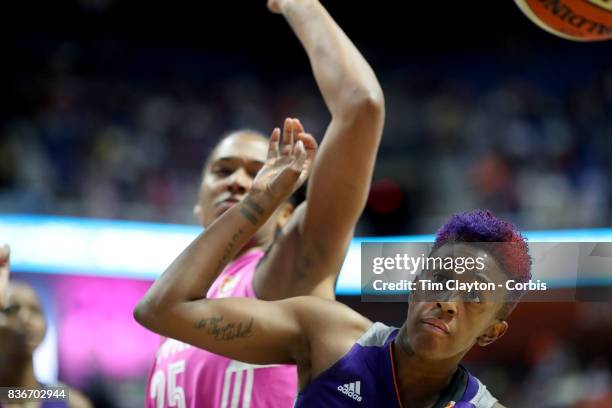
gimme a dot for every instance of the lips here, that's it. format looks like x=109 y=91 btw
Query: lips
x=227 y=203
x=436 y=325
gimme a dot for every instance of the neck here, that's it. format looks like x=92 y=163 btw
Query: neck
x=17 y=370
x=250 y=246
x=419 y=380
x=259 y=242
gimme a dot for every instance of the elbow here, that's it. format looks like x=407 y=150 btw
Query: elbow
x=373 y=104
x=365 y=104
x=144 y=314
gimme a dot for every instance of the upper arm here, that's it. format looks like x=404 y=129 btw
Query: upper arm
x=292 y=267
x=244 y=329
x=498 y=405
x=339 y=182
x=307 y=257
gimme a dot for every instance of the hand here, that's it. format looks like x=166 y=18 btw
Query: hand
x=279 y=6
x=288 y=163
x=5 y=253
x=276 y=6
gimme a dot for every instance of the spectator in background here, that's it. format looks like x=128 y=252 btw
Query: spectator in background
x=22 y=330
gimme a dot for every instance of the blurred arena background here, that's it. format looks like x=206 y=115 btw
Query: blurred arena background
x=109 y=108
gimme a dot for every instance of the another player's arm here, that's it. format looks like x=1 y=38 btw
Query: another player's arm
x=340 y=179
x=244 y=329
x=173 y=305
x=259 y=331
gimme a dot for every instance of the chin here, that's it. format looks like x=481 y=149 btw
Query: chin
x=427 y=346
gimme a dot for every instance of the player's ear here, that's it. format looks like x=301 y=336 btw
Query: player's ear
x=493 y=332
x=197 y=211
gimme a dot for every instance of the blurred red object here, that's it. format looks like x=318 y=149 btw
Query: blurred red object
x=385 y=196
x=604 y=401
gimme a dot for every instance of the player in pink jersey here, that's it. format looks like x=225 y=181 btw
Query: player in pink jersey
x=343 y=359
x=309 y=242
x=190 y=377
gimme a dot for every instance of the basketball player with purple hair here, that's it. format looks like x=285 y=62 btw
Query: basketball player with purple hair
x=297 y=251
x=343 y=359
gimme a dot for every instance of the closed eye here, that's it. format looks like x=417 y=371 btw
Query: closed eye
x=10 y=310
x=221 y=171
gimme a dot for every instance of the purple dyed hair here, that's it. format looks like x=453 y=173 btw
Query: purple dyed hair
x=481 y=226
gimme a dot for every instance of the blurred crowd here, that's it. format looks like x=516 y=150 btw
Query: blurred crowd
x=532 y=145
x=569 y=368
x=529 y=138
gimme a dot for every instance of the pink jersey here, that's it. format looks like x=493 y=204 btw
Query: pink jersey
x=184 y=376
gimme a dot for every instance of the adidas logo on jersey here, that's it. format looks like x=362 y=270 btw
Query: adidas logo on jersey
x=352 y=390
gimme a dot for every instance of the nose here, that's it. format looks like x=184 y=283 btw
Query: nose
x=448 y=307
x=239 y=182
x=24 y=317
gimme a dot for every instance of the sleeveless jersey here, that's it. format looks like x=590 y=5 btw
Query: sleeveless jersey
x=184 y=376
x=363 y=378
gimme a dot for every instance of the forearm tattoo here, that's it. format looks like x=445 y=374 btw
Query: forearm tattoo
x=215 y=326
x=227 y=252
x=254 y=206
x=248 y=215
x=250 y=210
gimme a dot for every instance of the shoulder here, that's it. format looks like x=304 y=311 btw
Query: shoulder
x=481 y=397
x=295 y=266
x=331 y=329
x=327 y=323
x=322 y=312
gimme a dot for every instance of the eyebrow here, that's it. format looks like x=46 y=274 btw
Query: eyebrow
x=232 y=159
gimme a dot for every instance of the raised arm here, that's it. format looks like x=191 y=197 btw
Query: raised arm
x=174 y=307
x=340 y=179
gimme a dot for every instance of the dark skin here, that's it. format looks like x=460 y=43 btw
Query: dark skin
x=22 y=328
x=309 y=241
x=426 y=357
x=311 y=332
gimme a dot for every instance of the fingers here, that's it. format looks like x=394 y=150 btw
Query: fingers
x=304 y=160
x=301 y=146
x=273 y=144
x=297 y=126
x=299 y=157
x=291 y=128
x=287 y=142
x=273 y=6
x=297 y=147
x=310 y=143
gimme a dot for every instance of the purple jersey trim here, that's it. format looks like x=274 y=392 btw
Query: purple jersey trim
x=363 y=378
